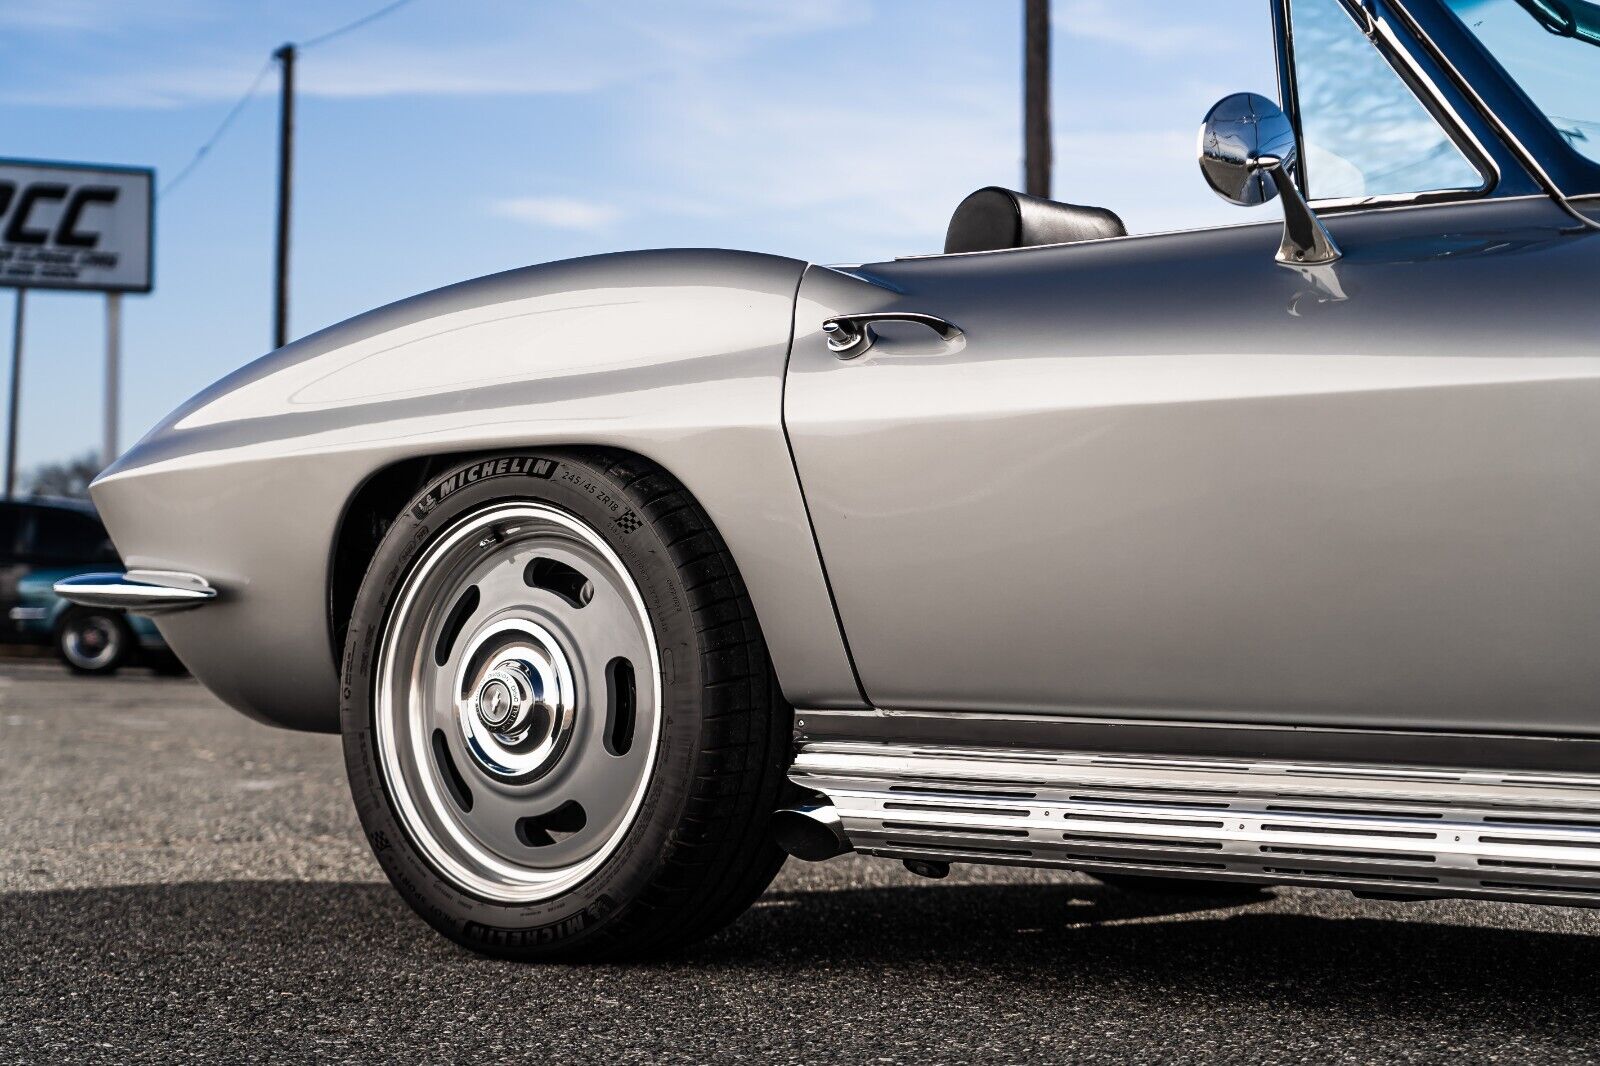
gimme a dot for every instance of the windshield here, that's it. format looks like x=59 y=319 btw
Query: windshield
x=1552 y=49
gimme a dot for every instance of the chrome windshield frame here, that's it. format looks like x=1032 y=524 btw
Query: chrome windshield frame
x=1390 y=29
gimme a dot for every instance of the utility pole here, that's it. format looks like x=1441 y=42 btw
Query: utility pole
x=1036 y=97
x=16 y=397
x=108 y=452
x=280 y=304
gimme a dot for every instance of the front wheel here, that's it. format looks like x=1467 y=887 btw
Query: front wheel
x=559 y=720
x=94 y=642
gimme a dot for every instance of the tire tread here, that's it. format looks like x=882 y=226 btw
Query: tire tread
x=722 y=857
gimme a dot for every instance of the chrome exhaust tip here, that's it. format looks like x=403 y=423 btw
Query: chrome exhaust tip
x=812 y=833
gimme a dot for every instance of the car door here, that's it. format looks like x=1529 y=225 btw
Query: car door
x=1167 y=477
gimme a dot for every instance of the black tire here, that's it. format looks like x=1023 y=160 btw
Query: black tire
x=93 y=642
x=698 y=851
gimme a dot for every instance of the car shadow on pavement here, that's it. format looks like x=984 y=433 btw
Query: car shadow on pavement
x=323 y=966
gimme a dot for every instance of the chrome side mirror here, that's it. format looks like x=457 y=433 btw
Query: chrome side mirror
x=1247 y=154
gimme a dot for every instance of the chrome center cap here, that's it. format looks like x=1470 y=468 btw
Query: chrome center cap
x=498 y=708
x=518 y=708
x=519 y=698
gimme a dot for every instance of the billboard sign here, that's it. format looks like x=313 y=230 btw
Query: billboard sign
x=68 y=226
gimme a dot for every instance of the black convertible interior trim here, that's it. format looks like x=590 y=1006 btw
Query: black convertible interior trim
x=994 y=218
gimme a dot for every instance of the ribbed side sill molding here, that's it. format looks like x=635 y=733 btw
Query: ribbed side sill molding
x=1523 y=836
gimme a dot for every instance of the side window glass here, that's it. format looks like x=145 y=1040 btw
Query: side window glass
x=1365 y=133
x=9 y=530
x=67 y=537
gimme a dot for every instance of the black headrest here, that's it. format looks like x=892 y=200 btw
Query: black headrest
x=1001 y=218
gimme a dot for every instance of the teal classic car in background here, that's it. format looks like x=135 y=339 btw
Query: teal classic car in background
x=42 y=541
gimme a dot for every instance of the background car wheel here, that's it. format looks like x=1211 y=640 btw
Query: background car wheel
x=561 y=728
x=93 y=642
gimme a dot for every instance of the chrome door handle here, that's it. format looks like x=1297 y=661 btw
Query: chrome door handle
x=851 y=335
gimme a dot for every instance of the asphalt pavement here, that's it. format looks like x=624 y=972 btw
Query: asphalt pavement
x=180 y=884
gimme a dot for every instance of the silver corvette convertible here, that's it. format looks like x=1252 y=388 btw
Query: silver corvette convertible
x=1263 y=554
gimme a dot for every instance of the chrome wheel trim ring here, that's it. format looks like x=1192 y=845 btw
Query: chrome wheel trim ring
x=567 y=760
x=72 y=642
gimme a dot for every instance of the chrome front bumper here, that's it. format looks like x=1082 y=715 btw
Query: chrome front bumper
x=139 y=591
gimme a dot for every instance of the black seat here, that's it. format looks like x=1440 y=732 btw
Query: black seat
x=1002 y=218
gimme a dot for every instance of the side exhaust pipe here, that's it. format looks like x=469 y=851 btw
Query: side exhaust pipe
x=812 y=833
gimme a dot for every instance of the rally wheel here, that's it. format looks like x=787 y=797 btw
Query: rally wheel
x=560 y=724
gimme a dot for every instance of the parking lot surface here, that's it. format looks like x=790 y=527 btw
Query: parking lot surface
x=180 y=884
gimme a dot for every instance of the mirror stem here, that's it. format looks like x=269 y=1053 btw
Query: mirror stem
x=1306 y=241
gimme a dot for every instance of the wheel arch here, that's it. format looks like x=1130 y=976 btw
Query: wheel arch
x=374 y=504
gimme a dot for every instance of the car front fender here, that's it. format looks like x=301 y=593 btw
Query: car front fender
x=678 y=356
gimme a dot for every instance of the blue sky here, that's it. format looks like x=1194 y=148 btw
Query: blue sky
x=459 y=137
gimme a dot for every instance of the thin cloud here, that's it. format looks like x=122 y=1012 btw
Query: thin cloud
x=97 y=16
x=558 y=212
x=1139 y=26
x=538 y=49
x=741 y=24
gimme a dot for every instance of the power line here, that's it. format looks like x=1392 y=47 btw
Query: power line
x=239 y=105
x=374 y=16
x=222 y=128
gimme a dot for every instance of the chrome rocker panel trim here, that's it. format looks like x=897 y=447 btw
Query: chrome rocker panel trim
x=1527 y=837
x=139 y=591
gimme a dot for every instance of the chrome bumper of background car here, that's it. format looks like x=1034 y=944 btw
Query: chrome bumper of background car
x=139 y=591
